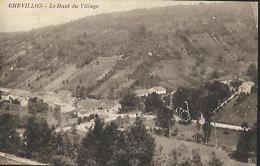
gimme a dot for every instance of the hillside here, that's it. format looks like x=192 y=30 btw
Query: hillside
x=170 y=46
x=236 y=112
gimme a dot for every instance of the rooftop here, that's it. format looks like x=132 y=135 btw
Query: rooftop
x=158 y=88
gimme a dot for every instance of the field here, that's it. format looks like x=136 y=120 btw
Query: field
x=204 y=151
x=92 y=73
x=226 y=138
x=246 y=111
x=116 y=83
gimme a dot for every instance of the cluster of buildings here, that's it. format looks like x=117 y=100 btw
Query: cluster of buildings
x=21 y=95
x=245 y=87
x=145 y=92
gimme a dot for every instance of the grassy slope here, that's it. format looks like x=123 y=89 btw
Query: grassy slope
x=237 y=114
x=204 y=151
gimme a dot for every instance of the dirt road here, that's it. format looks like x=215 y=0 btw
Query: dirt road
x=20 y=160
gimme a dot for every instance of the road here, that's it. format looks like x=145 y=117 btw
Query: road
x=113 y=116
x=20 y=160
x=5 y=89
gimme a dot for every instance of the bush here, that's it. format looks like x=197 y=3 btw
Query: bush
x=252 y=72
x=129 y=101
x=36 y=105
x=242 y=97
x=153 y=102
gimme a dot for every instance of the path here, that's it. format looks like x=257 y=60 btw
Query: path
x=20 y=160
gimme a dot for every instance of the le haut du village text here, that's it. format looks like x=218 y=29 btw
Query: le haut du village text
x=52 y=5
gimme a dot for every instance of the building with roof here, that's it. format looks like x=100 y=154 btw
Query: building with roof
x=141 y=92
x=157 y=89
x=96 y=106
x=111 y=106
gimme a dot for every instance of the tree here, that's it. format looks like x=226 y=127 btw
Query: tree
x=61 y=160
x=252 y=72
x=164 y=120
x=218 y=88
x=37 y=137
x=99 y=144
x=9 y=138
x=44 y=144
x=244 y=125
x=63 y=144
x=206 y=127
x=253 y=141
x=36 y=105
x=106 y=145
x=80 y=92
x=140 y=144
x=153 y=102
x=57 y=114
x=244 y=147
x=192 y=96
x=129 y=101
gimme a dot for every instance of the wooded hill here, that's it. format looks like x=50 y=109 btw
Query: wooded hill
x=173 y=46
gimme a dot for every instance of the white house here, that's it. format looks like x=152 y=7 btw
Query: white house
x=110 y=106
x=141 y=92
x=157 y=89
x=246 y=87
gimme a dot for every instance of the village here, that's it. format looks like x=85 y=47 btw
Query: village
x=170 y=84
x=106 y=108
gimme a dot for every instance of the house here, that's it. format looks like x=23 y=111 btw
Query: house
x=111 y=106
x=246 y=87
x=157 y=89
x=97 y=106
x=141 y=92
x=89 y=104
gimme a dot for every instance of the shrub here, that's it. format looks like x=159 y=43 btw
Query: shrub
x=252 y=72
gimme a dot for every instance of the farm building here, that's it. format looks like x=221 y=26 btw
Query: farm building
x=110 y=106
x=89 y=105
x=97 y=106
x=141 y=92
x=157 y=89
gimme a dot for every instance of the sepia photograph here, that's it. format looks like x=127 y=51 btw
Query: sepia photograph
x=128 y=83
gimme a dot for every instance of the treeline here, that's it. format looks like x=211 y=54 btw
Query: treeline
x=103 y=144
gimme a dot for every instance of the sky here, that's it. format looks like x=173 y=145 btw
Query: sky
x=26 y=19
